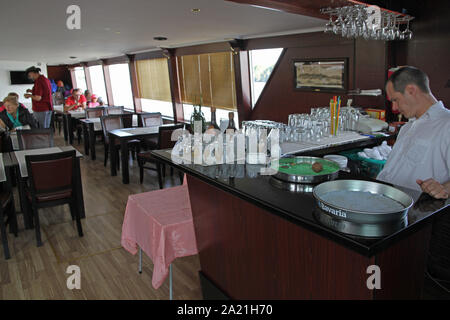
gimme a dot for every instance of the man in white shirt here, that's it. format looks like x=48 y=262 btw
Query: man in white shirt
x=420 y=158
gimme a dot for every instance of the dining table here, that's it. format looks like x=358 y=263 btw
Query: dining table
x=69 y=119
x=91 y=128
x=124 y=135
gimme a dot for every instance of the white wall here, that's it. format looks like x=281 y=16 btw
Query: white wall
x=5 y=82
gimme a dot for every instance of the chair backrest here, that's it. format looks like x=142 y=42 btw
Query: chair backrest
x=152 y=119
x=51 y=172
x=110 y=123
x=165 y=135
x=127 y=119
x=35 y=138
x=96 y=112
x=113 y=110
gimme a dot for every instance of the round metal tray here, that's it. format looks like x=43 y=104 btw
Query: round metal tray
x=363 y=223
x=365 y=230
x=309 y=179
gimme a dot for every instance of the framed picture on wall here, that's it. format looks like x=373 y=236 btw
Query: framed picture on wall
x=323 y=75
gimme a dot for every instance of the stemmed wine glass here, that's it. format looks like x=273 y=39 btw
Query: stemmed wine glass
x=407 y=33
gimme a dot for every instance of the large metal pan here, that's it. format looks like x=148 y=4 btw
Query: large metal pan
x=312 y=178
x=367 y=223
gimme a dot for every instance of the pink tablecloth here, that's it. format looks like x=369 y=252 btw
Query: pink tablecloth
x=160 y=222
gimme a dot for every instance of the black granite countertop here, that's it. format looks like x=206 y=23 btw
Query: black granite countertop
x=299 y=207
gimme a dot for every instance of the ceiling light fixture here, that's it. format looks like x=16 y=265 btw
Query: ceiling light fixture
x=72 y=57
x=160 y=38
x=195 y=10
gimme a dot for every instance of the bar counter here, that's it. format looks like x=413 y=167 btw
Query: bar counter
x=256 y=241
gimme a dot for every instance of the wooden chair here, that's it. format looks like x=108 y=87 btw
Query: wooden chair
x=52 y=182
x=113 y=110
x=7 y=216
x=96 y=112
x=164 y=142
x=153 y=119
x=113 y=122
x=35 y=138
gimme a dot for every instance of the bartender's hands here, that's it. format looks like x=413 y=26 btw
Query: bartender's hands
x=27 y=95
x=433 y=188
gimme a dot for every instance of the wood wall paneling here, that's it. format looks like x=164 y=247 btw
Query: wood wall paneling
x=370 y=71
x=59 y=73
x=403 y=266
x=243 y=86
x=430 y=47
x=279 y=98
x=252 y=254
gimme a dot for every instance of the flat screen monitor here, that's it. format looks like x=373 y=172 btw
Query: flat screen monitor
x=19 y=77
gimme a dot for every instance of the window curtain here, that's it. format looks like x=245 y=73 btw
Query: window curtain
x=153 y=79
x=208 y=79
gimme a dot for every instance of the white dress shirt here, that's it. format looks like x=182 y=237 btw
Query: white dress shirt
x=422 y=150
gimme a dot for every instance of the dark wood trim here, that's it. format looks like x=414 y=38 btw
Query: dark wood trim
x=202 y=48
x=309 y=8
x=301 y=40
x=108 y=86
x=115 y=60
x=149 y=55
x=134 y=84
x=177 y=103
x=93 y=63
x=243 y=85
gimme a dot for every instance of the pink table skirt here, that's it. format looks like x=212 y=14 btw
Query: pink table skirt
x=160 y=222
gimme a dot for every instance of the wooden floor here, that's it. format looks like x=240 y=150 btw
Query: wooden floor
x=107 y=270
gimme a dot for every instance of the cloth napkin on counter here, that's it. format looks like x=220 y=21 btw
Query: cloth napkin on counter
x=377 y=153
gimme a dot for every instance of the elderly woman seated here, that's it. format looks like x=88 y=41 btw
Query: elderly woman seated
x=15 y=115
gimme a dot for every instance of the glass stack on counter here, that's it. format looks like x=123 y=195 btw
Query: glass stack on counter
x=316 y=126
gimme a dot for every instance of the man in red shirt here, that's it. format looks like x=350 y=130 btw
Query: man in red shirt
x=77 y=100
x=41 y=97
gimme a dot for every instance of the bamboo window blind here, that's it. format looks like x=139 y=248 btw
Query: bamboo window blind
x=153 y=79
x=208 y=79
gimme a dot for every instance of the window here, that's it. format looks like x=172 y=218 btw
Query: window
x=262 y=63
x=80 y=78
x=98 y=82
x=121 y=85
x=208 y=79
x=154 y=86
x=221 y=114
x=149 y=105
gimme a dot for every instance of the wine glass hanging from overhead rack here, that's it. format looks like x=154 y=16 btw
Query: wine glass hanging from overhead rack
x=368 y=22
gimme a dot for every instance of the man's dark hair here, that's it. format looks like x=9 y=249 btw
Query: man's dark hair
x=33 y=69
x=410 y=75
x=76 y=90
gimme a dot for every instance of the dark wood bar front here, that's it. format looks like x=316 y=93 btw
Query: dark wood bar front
x=258 y=242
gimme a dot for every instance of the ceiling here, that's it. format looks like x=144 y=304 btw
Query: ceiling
x=36 y=30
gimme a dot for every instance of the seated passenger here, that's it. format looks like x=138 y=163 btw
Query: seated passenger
x=76 y=101
x=15 y=115
x=93 y=103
